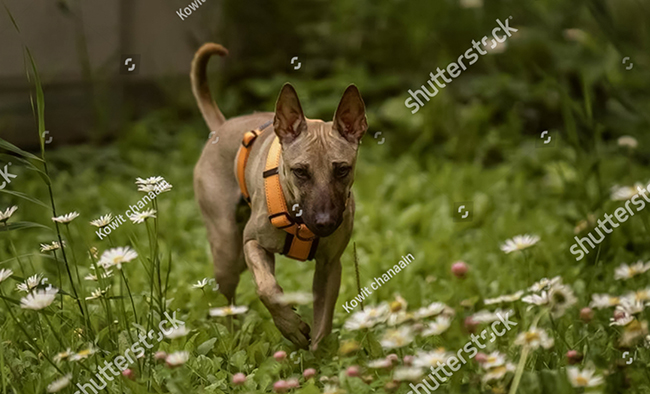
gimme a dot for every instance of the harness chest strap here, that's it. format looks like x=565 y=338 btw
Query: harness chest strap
x=300 y=243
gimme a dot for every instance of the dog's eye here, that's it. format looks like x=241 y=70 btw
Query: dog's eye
x=300 y=173
x=342 y=172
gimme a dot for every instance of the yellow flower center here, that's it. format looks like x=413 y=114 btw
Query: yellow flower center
x=531 y=336
x=581 y=381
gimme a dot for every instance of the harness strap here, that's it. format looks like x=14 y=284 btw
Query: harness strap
x=300 y=243
x=242 y=157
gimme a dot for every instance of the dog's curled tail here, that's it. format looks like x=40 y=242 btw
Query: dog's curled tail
x=211 y=113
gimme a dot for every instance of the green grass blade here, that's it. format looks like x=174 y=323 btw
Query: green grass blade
x=22 y=226
x=13 y=148
x=26 y=197
x=40 y=100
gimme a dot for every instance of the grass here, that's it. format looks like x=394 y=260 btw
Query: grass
x=404 y=205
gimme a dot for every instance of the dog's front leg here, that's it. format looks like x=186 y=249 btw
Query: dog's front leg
x=261 y=263
x=327 y=281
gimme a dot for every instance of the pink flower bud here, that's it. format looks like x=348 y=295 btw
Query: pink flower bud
x=459 y=269
x=573 y=356
x=309 y=373
x=160 y=356
x=280 y=356
x=129 y=374
x=481 y=357
x=293 y=383
x=408 y=360
x=470 y=324
x=280 y=386
x=353 y=371
x=586 y=314
x=238 y=379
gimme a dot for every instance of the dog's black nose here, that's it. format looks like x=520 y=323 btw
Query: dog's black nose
x=324 y=223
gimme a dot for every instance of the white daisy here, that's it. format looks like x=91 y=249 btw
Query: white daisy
x=103 y=221
x=519 y=242
x=177 y=358
x=399 y=317
x=408 y=374
x=39 y=299
x=639 y=295
x=368 y=317
x=485 y=316
x=201 y=283
x=601 y=301
x=382 y=363
x=93 y=277
x=153 y=180
x=397 y=338
x=98 y=293
x=4 y=216
x=544 y=284
x=140 y=217
x=440 y=325
x=628 y=141
x=67 y=218
x=561 y=298
x=115 y=257
x=30 y=283
x=179 y=332
x=5 y=273
x=163 y=187
x=55 y=245
x=228 y=311
x=624 y=193
x=512 y=297
x=493 y=360
x=498 y=373
x=584 y=378
x=59 y=384
x=625 y=271
x=633 y=332
x=504 y=298
x=433 y=309
x=536 y=299
x=534 y=338
x=83 y=354
x=630 y=306
x=426 y=360
x=63 y=355
x=296 y=298
x=621 y=318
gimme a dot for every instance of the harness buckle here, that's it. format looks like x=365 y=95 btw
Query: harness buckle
x=304 y=233
x=249 y=138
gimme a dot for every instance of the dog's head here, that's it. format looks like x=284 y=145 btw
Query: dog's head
x=319 y=157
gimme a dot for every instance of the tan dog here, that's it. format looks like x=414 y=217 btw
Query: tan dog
x=316 y=171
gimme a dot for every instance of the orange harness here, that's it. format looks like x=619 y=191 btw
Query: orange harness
x=300 y=243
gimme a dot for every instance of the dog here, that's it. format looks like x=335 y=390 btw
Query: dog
x=315 y=170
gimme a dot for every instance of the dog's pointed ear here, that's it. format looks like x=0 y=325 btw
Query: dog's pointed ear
x=350 y=116
x=289 y=119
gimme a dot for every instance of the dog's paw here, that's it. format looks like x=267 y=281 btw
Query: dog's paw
x=294 y=329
